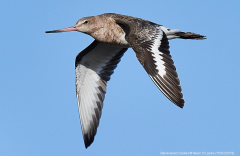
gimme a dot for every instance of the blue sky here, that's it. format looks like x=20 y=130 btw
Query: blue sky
x=38 y=106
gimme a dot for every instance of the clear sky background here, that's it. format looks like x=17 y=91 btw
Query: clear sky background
x=38 y=106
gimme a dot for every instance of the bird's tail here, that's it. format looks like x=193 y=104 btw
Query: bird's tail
x=190 y=35
x=175 y=33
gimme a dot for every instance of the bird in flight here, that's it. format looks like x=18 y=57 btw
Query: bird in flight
x=114 y=34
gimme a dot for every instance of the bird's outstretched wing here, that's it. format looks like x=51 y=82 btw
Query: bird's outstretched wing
x=151 y=46
x=152 y=51
x=94 y=66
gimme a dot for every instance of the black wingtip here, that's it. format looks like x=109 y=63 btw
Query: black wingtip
x=86 y=146
x=88 y=141
x=180 y=103
x=181 y=106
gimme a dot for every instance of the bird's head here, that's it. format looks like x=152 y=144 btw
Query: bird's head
x=85 y=25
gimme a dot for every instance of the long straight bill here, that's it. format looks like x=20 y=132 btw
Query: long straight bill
x=73 y=28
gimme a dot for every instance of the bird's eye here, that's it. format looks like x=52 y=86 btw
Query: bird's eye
x=85 y=22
